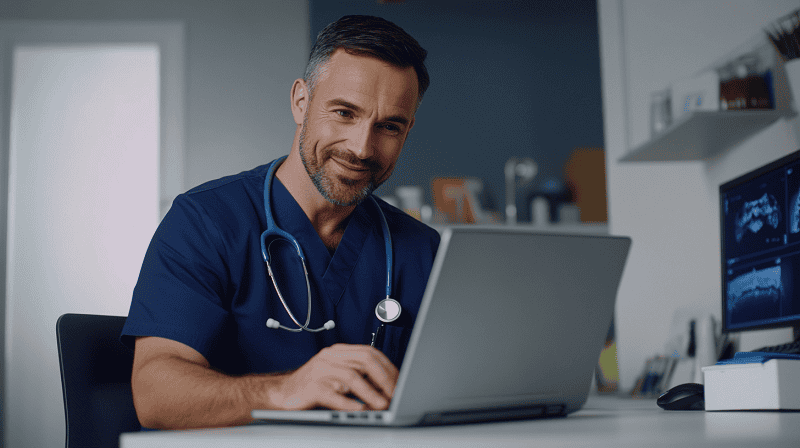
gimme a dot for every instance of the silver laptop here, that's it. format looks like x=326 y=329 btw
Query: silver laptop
x=511 y=326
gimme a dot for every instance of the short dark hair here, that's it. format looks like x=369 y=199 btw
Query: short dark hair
x=368 y=36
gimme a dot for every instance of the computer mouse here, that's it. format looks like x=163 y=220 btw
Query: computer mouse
x=683 y=397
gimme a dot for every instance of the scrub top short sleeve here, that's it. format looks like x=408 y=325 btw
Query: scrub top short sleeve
x=182 y=281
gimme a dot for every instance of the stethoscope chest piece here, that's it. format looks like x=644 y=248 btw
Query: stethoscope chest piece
x=388 y=310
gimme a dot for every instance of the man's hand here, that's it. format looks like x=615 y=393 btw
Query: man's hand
x=337 y=377
x=175 y=387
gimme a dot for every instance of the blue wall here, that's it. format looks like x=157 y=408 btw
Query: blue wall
x=509 y=78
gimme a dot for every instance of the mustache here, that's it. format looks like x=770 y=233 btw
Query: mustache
x=351 y=159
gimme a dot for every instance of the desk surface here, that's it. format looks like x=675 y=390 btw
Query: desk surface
x=603 y=422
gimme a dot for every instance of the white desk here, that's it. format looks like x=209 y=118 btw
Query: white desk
x=603 y=422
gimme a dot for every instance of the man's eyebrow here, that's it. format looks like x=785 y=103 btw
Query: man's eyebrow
x=344 y=103
x=398 y=119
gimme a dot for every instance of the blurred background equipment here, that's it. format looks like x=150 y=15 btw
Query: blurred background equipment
x=411 y=199
x=660 y=111
x=785 y=35
x=746 y=82
x=458 y=201
x=585 y=175
x=607 y=371
x=524 y=169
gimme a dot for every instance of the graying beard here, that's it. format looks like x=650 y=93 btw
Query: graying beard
x=320 y=182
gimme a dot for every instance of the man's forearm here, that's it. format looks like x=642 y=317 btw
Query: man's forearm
x=173 y=393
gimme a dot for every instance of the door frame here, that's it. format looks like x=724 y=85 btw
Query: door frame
x=169 y=36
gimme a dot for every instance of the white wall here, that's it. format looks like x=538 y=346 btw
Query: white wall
x=670 y=209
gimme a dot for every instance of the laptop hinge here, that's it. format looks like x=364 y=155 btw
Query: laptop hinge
x=491 y=414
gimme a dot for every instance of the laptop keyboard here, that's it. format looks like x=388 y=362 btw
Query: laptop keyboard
x=791 y=348
x=359 y=416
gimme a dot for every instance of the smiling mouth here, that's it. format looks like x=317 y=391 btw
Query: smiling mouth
x=351 y=168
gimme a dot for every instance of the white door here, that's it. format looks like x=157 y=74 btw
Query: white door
x=84 y=191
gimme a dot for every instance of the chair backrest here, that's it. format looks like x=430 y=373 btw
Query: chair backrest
x=96 y=380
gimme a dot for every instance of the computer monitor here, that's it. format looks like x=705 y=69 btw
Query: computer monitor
x=760 y=241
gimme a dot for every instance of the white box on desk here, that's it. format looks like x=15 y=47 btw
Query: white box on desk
x=773 y=385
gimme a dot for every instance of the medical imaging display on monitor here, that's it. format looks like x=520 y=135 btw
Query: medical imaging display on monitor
x=760 y=218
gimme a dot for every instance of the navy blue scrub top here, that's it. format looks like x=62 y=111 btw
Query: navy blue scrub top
x=204 y=282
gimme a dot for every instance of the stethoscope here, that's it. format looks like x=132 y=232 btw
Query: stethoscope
x=388 y=310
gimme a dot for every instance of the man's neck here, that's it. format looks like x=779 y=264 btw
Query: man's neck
x=329 y=220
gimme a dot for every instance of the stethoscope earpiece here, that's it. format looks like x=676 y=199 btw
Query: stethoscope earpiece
x=274 y=324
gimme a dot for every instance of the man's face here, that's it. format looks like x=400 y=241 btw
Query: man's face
x=355 y=125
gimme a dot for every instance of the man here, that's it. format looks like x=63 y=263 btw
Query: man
x=203 y=353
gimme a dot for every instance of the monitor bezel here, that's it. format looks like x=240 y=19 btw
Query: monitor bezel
x=723 y=188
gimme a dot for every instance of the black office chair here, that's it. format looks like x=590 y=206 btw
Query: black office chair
x=96 y=380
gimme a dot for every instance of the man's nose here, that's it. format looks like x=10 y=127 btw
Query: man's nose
x=362 y=141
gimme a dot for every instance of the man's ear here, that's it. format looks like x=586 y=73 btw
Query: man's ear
x=299 y=97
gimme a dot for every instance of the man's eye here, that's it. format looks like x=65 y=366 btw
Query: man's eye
x=391 y=128
x=344 y=113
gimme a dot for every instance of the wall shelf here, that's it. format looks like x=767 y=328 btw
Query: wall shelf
x=702 y=134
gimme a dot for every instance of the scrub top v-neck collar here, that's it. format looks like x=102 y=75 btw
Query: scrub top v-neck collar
x=335 y=271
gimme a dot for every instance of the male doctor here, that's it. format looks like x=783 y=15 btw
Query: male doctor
x=203 y=352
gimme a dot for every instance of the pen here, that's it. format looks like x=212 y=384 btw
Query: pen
x=376 y=336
